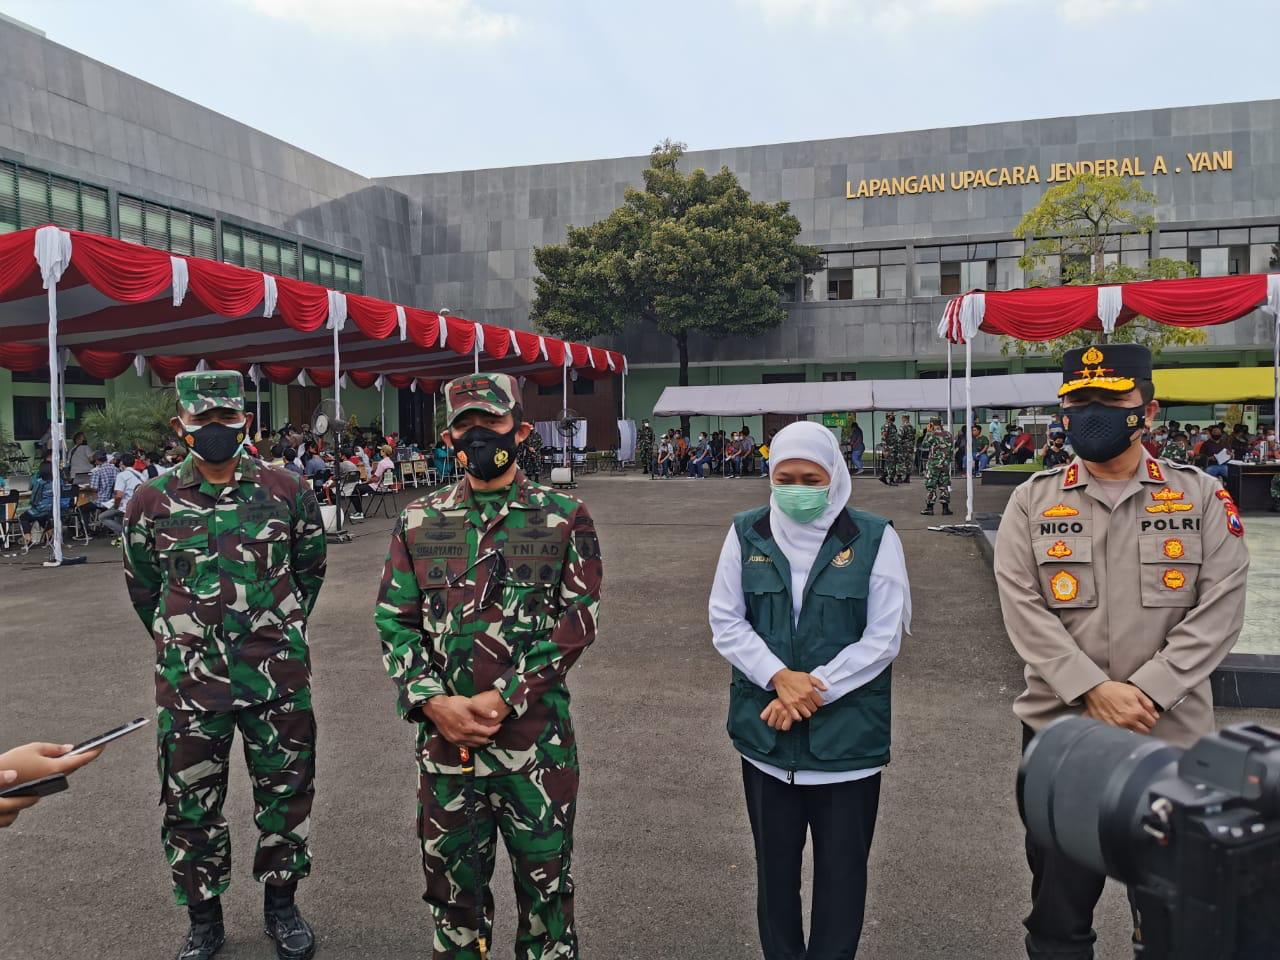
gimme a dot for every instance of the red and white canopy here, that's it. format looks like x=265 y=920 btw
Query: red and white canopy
x=1045 y=313
x=120 y=304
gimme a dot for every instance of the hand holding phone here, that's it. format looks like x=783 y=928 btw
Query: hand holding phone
x=34 y=761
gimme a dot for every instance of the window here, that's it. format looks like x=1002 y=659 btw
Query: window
x=928 y=280
x=582 y=387
x=165 y=228
x=332 y=270
x=893 y=280
x=859 y=275
x=30 y=198
x=30 y=417
x=550 y=389
x=259 y=251
x=74 y=376
x=973 y=274
x=1220 y=261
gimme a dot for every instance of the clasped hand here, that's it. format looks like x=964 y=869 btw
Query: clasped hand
x=468 y=721
x=799 y=698
x=1121 y=705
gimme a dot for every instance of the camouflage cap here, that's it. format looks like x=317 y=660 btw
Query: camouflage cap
x=496 y=393
x=198 y=392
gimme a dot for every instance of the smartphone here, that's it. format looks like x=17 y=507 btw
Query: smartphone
x=36 y=788
x=102 y=738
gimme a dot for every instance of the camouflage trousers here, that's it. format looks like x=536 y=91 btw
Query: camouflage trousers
x=1275 y=487
x=937 y=485
x=279 y=741
x=534 y=813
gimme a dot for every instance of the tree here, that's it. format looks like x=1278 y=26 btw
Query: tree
x=1080 y=222
x=140 y=418
x=689 y=252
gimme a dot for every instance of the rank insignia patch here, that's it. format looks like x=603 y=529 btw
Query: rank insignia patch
x=1173 y=548
x=1061 y=510
x=1174 y=579
x=1059 y=550
x=1072 y=477
x=1064 y=586
x=1153 y=468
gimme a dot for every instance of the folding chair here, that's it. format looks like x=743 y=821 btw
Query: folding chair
x=10 y=528
x=78 y=520
x=378 y=501
x=421 y=474
x=404 y=470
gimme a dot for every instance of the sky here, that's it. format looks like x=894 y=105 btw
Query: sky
x=388 y=87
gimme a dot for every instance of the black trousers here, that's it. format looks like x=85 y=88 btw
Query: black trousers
x=1063 y=897
x=842 y=819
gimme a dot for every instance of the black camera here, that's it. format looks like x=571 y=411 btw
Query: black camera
x=1195 y=834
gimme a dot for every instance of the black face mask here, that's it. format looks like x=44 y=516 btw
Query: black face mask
x=486 y=454
x=1099 y=433
x=215 y=442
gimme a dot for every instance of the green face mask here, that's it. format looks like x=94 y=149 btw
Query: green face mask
x=799 y=502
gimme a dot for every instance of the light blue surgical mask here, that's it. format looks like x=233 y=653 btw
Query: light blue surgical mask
x=800 y=503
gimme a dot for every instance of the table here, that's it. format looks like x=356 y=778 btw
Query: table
x=1250 y=484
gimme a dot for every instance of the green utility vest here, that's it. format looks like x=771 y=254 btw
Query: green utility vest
x=851 y=733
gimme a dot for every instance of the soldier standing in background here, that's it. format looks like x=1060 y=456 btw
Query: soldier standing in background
x=646 y=443
x=224 y=558
x=906 y=449
x=530 y=455
x=489 y=595
x=889 y=448
x=936 y=451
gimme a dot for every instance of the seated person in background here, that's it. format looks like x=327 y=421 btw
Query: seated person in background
x=383 y=474
x=666 y=457
x=103 y=480
x=681 y=451
x=1207 y=454
x=733 y=456
x=1241 y=442
x=41 y=509
x=291 y=460
x=1055 y=453
x=1023 y=446
x=699 y=457
x=129 y=476
x=981 y=451
x=314 y=468
x=1175 y=448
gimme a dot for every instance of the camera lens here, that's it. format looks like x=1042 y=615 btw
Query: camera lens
x=1082 y=789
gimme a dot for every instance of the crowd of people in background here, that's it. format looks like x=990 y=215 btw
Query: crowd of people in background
x=731 y=456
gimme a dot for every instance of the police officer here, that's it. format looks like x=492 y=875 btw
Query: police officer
x=489 y=595
x=224 y=558
x=1122 y=583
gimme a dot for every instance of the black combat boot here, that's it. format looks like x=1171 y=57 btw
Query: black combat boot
x=284 y=924
x=946 y=509
x=205 y=936
x=928 y=510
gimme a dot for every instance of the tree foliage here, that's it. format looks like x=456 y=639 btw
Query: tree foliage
x=1080 y=222
x=689 y=252
x=135 y=419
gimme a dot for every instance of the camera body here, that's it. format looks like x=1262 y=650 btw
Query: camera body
x=1195 y=834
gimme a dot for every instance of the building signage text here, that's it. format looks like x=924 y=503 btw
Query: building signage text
x=1203 y=161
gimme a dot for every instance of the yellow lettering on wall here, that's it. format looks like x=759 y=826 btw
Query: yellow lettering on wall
x=1033 y=174
x=1159 y=166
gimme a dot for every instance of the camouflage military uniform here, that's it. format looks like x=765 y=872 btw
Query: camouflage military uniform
x=645 y=445
x=530 y=455
x=889 y=457
x=937 y=453
x=906 y=451
x=494 y=591
x=224 y=580
x=1174 y=452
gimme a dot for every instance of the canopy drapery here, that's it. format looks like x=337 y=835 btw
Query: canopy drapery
x=1045 y=313
x=118 y=301
x=114 y=304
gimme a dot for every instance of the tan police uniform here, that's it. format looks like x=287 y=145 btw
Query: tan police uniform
x=1149 y=590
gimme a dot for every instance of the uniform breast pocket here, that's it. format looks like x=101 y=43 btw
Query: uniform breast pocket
x=1066 y=571
x=181 y=547
x=766 y=599
x=838 y=601
x=1170 y=569
x=265 y=548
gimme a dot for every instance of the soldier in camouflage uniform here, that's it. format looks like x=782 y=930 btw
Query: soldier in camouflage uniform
x=646 y=444
x=224 y=557
x=889 y=455
x=906 y=449
x=937 y=452
x=1175 y=448
x=489 y=595
x=530 y=456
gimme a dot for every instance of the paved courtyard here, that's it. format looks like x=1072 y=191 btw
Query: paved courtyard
x=663 y=863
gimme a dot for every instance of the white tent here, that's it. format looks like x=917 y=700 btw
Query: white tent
x=744 y=400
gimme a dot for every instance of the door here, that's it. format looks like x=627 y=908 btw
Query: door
x=773 y=422
x=302 y=403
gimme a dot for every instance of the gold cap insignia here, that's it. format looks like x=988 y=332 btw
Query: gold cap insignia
x=1092 y=356
x=500 y=458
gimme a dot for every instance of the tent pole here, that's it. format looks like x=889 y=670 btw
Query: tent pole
x=1275 y=363
x=624 y=394
x=477 y=355
x=55 y=421
x=382 y=402
x=968 y=431
x=564 y=387
x=950 y=423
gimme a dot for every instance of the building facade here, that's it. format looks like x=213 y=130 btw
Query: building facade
x=905 y=219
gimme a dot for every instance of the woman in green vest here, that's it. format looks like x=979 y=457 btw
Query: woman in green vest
x=809 y=604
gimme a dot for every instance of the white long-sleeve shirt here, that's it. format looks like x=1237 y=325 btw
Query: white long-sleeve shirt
x=888 y=613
